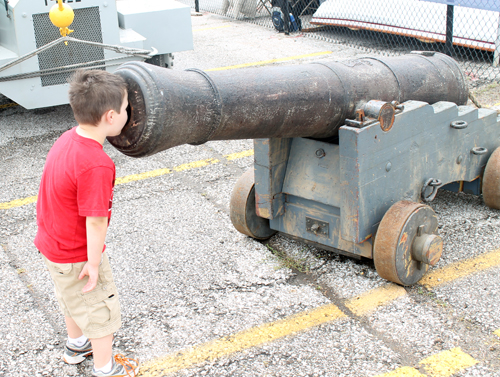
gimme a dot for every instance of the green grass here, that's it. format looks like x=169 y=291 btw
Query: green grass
x=286 y=261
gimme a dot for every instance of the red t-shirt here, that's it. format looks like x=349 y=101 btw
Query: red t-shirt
x=77 y=182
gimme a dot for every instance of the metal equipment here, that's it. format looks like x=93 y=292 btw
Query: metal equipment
x=345 y=152
x=35 y=62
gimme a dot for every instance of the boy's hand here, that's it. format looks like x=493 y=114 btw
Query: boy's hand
x=92 y=272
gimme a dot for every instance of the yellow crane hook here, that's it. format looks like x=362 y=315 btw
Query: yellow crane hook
x=61 y=15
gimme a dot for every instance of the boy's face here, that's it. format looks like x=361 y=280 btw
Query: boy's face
x=121 y=119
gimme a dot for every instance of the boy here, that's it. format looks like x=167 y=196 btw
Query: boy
x=73 y=212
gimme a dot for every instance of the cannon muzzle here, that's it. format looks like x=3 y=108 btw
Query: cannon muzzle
x=170 y=108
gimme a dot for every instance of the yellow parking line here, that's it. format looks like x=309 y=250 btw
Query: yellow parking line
x=264 y=62
x=461 y=269
x=370 y=300
x=196 y=164
x=145 y=175
x=403 y=372
x=256 y=336
x=18 y=202
x=212 y=28
x=235 y=156
x=141 y=176
x=442 y=364
x=447 y=363
x=10 y=104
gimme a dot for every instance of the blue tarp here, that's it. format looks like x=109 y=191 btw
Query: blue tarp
x=493 y=5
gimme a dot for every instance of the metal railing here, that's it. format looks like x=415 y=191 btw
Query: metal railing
x=469 y=32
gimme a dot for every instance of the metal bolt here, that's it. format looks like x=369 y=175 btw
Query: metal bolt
x=320 y=153
x=479 y=150
x=459 y=124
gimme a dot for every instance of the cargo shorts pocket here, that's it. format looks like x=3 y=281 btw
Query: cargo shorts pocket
x=102 y=303
x=62 y=268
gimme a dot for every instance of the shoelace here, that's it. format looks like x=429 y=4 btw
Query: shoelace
x=126 y=362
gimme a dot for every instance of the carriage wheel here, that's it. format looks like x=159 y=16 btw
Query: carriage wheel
x=243 y=211
x=491 y=181
x=406 y=242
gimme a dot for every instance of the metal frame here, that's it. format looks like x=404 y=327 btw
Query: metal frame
x=349 y=186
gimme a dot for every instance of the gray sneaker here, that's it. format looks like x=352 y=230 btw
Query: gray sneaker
x=122 y=367
x=74 y=354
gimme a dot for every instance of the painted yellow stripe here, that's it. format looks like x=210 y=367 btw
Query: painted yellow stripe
x=238 y=155
x=403 y=372
x=370 y=300
x=212 y=28
x=18 y=202
x=443 y=364
x=145 y=175
x=264 y=62
x=447 y=363
x=497 y=332
x=11 y=104
x=196 y=164
x=141 y=176
x=461 y=269
x=250 y=338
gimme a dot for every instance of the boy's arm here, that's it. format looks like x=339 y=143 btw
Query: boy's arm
x=96 y=234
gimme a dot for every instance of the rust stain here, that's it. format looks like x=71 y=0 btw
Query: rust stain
x=367 y=238
x=404 y=238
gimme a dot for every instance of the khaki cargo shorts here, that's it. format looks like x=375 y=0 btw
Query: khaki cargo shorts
x=97 y=312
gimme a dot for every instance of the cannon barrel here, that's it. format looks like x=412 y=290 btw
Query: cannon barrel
x=170 y=108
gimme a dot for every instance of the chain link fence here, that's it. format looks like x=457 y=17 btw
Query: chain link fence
x=468 y=30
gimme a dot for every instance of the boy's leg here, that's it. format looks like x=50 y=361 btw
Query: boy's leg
x=65 y=278
x=96 y=313
x=103 y=350
x=105 y=365
x=73 y=330
x=75 y=353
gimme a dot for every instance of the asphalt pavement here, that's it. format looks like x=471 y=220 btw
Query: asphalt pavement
x=198 y=298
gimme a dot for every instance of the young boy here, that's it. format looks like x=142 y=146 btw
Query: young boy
x=73 y=212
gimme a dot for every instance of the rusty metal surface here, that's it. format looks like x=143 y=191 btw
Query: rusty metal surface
x=243 y=211
x=384 y=112
x=491 y=181
x=170 y=108
x=392 y=249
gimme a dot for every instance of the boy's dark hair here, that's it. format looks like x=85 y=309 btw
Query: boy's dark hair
x=93 y=92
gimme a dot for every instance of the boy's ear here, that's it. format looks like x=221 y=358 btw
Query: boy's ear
x=109 y=116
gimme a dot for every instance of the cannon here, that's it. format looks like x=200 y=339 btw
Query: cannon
x=346 y=154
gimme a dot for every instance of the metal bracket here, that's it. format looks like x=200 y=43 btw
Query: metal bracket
x=7 y=8
x=430 y=189
x=317 y=227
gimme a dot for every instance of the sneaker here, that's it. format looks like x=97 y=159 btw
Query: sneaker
x=74 y=354
x=122 y=367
